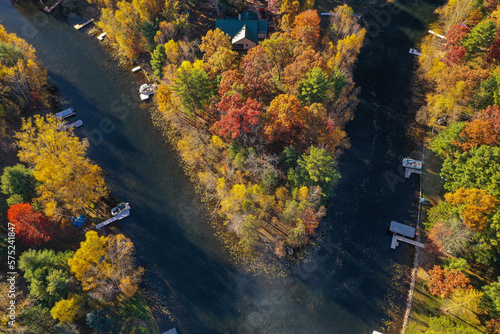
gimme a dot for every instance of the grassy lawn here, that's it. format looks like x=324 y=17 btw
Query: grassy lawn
x=137 y=316
x=425 y=304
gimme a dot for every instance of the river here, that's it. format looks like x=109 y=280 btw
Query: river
x=346 y=283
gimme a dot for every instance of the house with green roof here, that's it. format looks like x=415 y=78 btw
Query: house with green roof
x=245 y=30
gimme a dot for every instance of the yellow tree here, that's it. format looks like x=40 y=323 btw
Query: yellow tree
x=475 y=206
x=213 y=40
x=69 y=181
x=346 y=51
x=465 y=304
x=105 y=266
x=67 y=310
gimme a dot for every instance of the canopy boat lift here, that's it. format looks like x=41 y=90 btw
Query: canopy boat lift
x=147 y=90
x=404 y=233
x=412 y=166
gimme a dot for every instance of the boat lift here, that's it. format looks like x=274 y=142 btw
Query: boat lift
x=145 y=91
x=415 y=52
x=412 y=166
x=404 y=233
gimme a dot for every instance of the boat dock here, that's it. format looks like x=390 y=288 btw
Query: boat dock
x=403 y=233
x=49 y=9
x=66 y=113
x=415 y=52
x=122 y=214
x=76 y=124
x=80 y=26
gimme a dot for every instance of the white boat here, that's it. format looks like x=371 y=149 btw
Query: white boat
x=101 y=36
x=65 y=113
x=415 y=52
x=76 y=124
x=147 y=90
x=135 y=69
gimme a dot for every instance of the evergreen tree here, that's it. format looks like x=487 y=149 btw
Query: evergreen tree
x=158 y=60
x=480 y=37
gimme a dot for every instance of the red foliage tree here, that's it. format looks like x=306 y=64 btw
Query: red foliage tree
x=231 y=82
x=237 y=116
x=455 y=55
x=256 y=67
x=456 y=34
x=492 y=115
x=30 y=226
x=493 y=54
x=444 y=281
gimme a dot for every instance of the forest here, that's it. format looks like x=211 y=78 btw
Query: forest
x=67 y=280
x=460 y=73
x=259 y=131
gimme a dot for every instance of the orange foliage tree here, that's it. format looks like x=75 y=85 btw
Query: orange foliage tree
x=476 y=133
x=443 y=282
x=30 y=226
x=306 y=28
x=285 y=119
x=475 y=205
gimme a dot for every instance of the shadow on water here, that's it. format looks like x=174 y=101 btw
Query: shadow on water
x=342 y=287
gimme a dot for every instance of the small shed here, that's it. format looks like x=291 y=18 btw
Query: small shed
x=402 y=229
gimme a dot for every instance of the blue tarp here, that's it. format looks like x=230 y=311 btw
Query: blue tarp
x=78 y=222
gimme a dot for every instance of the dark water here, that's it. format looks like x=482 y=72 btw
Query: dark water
x=344 y=286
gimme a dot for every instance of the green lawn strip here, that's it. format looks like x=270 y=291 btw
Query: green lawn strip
x=136 y=308
x=425 y=304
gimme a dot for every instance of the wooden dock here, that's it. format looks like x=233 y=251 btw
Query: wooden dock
x=122 y=214
x=396 y=238
x=49 y=9
x=409 y=171
x=80 y=26
x=76 y=124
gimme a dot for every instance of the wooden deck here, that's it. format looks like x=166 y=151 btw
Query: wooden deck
x=119 y=216
x=409 y=171
x=396 y=238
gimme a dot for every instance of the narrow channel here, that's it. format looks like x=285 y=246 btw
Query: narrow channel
x=345 y=285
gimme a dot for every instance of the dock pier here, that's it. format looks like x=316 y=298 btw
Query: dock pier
x=80 y=26
x=120 y=212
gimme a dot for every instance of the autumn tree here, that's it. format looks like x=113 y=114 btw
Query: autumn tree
x=280 y=49
x=451 y=236
x=232 y=83
x=19 y=183
x=475 y=205
x=30 y=226
x=105 y=266
x=212 y=41
x=306 y=28
x=47 y=274
x=492 y=296
x=343 y=23
x=124 y=28
x=237 y=116
x=443 y=282
x=69 y=181
x=302 y=64
x=256 y=67
x=285 y=119
x=465 y=304
x=478 y=168
x=67 y=310
x=492 y=115
x=476 y=133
